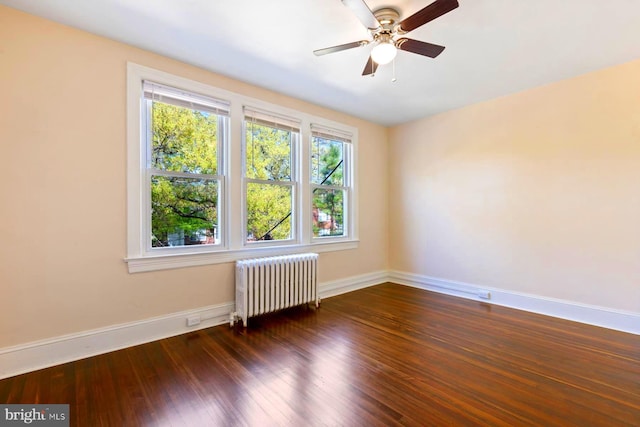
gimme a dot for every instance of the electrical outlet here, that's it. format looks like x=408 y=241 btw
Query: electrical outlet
x=483 y=294
x=193 y=320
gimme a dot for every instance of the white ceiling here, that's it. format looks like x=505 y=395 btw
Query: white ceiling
x=493 y=47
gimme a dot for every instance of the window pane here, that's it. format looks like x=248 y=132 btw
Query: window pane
x=268 y=212
x=184 y=211
x=184 y=139
x=268 y=153
x=327 y=166
x=328 y=212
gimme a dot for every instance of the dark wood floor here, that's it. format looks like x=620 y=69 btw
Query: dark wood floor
x=385 y=355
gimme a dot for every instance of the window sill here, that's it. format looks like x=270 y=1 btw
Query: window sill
x=167 y=262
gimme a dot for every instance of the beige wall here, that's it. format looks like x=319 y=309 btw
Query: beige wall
x=63 y=188
x=537 y=192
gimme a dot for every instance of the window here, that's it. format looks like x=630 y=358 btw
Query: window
x=330 y=182
x=214 y=176
x=183 y=133
x=270 y=144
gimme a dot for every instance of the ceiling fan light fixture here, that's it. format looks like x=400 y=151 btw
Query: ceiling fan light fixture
x=384 y=52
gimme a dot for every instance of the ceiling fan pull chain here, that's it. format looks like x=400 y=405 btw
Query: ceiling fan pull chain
x=393 y=64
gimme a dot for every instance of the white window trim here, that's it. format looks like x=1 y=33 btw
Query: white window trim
x=233 y=248
x=293 y=125
x=348 y=185
x=148 y=172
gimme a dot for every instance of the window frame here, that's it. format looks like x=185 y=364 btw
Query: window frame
x=346 y=139
x=283 y=123
x=232 y=221
x=220 y=176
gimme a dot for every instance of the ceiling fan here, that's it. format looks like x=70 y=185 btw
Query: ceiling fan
x=386 y=31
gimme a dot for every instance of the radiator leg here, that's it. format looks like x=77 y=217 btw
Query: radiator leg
x=232 y=319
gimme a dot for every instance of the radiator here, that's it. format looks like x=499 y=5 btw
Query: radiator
x=265 y=285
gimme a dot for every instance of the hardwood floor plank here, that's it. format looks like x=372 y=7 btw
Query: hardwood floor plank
x=385 y=355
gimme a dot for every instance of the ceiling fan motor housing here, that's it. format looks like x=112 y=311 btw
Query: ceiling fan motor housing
x=387 y=17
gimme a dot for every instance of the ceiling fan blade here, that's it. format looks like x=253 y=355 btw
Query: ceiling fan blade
x=429 y=13
x=363 y=13
x=370 y=68
x=340 y=47
x=421 y=48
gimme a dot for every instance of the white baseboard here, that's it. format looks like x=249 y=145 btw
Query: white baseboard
x=341 y=286
x=67 y=348
x=593 y=315
x=54 y=351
